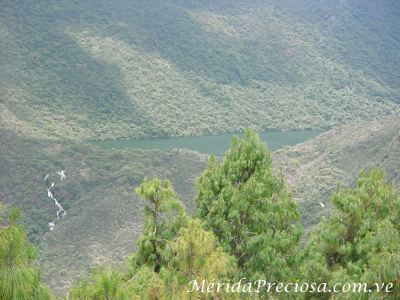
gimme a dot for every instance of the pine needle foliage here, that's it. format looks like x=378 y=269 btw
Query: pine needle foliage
x=164 y=215
x=19 y=278
x=103 y=283
x=250 y=210
x=360 y=241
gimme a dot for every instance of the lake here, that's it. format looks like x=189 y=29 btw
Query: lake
x=211 y=144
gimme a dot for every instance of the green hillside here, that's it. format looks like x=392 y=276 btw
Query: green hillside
x=104 y=217
x=120 y=69
x=72 y=72
x=314 y=168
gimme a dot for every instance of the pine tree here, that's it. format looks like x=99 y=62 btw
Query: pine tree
x=360 y=241
x=250 y=210
x=164 y=215
x=19 y=279
x=102 y=284
x=195 y=255
x=198 y=256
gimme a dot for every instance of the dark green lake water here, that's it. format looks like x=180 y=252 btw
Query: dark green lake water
x=211 y=144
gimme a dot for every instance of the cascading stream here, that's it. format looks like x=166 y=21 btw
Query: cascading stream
x=50 y=194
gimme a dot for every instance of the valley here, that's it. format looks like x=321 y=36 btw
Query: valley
x=105 y=216
x=97 y=96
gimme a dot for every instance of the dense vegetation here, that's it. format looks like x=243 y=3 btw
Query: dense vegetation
x=19 y=278
x=226 y=240
x=360 y=241
x=250 y=211
x=164 y=68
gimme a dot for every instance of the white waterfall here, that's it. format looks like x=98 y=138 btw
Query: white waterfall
x=50 y=194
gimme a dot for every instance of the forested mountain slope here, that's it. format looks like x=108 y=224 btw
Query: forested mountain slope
x=78 y=70
x=103 y=215
x=115 y=69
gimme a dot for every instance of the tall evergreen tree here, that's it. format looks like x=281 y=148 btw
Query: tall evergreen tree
x=360 y=241
x=187 y=252
x=19 y=278
x=164 y=214
x=196 y=256
x=173 y=250
x=250 y=210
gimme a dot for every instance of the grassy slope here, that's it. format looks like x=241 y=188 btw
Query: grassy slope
x=150 y=68
x=336 y=157
x=104 y=216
